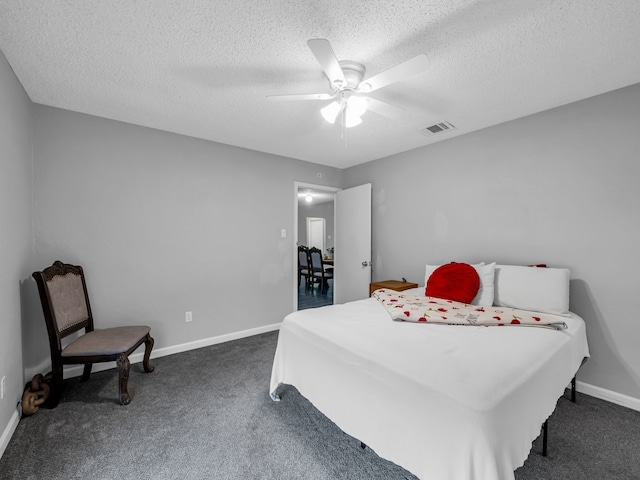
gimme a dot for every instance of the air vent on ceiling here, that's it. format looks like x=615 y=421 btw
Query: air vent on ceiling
x=443 y=126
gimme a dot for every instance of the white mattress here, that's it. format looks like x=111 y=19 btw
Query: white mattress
x=444 y=402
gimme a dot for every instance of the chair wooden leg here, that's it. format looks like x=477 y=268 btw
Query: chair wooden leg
x=55 y=387
x=148 y=345
x=86 y=372
x=122 y=361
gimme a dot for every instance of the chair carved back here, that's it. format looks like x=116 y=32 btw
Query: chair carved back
x=303 y=256
x=63 y=294
x=315 y=254
x=317 y=268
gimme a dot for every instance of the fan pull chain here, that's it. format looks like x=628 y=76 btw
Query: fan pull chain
x=344 y=126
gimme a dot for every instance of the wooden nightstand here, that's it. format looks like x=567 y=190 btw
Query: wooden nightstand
x=396 y=285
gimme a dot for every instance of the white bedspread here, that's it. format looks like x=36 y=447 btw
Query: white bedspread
x=444 y=402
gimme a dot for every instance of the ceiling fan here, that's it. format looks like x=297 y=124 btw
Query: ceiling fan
x=349 y=87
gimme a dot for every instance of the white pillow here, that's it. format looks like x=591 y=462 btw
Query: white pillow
x=484 y=297
x=485 y=294
x=543 y=290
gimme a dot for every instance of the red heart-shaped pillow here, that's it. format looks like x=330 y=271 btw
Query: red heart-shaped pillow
x=454 y=281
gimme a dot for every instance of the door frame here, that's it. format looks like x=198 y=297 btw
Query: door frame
x=296 y=187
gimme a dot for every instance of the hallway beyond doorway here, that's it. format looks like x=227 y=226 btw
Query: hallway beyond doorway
x=314 y=297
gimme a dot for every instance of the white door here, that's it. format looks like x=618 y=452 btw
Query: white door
x=316 y=232
x=352 y=255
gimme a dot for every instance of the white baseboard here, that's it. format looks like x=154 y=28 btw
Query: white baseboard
x=76 y=370
x=8 y=431
x=609 y=395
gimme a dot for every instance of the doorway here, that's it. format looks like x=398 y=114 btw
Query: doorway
x=314 y=216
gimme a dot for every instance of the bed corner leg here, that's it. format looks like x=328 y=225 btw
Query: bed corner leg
x=274 y=393
x=545 y=428
x=573 y=389
x=363 y=445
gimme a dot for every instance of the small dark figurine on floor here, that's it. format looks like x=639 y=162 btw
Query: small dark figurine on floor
x=35 y=394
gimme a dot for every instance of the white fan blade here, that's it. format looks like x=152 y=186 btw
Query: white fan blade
x=385 y=109
x=321 y=48
x=304 y=96
x=394 y=74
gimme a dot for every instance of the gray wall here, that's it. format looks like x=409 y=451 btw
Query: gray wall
x=323 y=210
x=165 y=224
x=560 y=187
x=16 y=120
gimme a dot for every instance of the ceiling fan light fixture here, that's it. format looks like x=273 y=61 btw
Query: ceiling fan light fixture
x=351 y=120
x=331 y=111
x=365 y=87
x=357 y=105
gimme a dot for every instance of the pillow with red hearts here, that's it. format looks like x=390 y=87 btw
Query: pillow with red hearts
x=454 y=281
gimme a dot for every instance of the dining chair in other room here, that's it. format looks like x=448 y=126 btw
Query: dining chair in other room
x=303 y=266
x=318 y=270
x=65 y=304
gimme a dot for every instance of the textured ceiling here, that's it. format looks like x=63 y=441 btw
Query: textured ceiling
x=204 y=68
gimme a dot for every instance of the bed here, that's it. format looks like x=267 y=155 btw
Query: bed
x=444 y=402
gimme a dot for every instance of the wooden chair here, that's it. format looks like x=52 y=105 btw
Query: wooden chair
x=318 y=270
x=65 y=304
x=303 y=266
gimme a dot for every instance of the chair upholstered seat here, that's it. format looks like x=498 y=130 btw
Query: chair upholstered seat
x=107 y=341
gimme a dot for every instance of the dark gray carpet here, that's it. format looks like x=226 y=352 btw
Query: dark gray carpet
x=206 y=414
